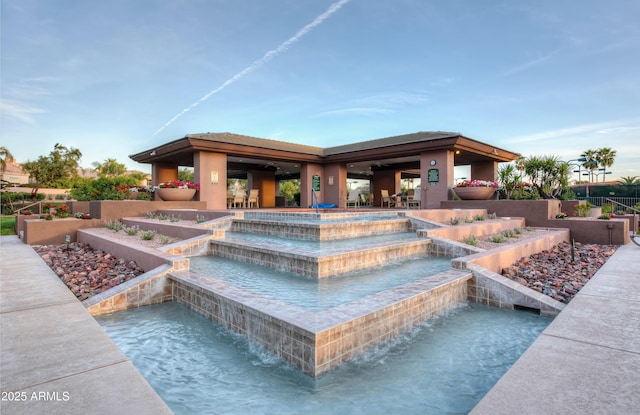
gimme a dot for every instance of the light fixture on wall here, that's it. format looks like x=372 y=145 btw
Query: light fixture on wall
x=494 y=152
x=153 y=153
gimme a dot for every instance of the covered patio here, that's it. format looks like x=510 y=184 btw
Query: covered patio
x=384 y=162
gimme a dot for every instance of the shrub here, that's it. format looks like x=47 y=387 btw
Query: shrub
x=115 y=225
x=147 y=235
x=478 y=218
x=454 y=221
x=102 y=188
x=200 y=219
x=164 y=239
x=144 y=196
x=174 y=218
x=508 y=233
x=582 y=210
x=496 y=239
x=131 y=230
x=471 y=240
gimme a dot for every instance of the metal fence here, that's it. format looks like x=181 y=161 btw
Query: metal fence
x=622 y=201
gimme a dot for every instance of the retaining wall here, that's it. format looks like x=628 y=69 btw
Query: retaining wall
x=542 y=213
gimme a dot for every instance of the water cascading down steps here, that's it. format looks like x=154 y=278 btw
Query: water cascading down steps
x=329 y=246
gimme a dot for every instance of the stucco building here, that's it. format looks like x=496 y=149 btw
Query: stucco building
x=430 y=156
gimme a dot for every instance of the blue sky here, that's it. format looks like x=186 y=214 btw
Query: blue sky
x=113 y=78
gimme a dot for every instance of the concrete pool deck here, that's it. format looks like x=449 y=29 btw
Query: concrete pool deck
x=587 y=361
x=56 y=359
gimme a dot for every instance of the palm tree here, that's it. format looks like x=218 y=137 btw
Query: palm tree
x=5 y=155
x=605 y=157
x=109 y=168
x=591 y=162
x=629 y=180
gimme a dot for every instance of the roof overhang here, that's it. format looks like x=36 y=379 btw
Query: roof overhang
x=399 y=152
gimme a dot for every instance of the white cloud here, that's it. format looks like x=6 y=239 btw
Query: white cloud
x=19 y=111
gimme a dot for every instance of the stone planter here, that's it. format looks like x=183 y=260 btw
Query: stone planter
x=595 y=212
x=176 y=195
x=474 y=193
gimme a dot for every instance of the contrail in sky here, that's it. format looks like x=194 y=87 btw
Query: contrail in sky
x=266 y=58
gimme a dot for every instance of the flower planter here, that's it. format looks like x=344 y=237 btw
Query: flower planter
x=474 y=193
x=174 y=194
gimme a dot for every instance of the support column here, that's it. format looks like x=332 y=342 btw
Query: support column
x=385 y=179
x=210 y=171
x=307 y=171
x=485 y=170
x=334 y=185
x=441 y=165
x=265 y=182
x=163 y=172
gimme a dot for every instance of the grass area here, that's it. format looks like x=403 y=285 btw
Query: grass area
x=7 y=225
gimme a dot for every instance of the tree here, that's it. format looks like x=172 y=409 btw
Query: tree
x=508 y=179
x=55 y=169
x=629 y=180
x=590 y=163
x=289 y=189
x=186 y=174
x=548 y=175
x=5 y=155
x=605 y=157
x=110 y=168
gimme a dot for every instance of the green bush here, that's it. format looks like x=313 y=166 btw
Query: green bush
x=471 y=240
x=11 y=201
x=147 y=235
x=103 y=188
x=496 y=239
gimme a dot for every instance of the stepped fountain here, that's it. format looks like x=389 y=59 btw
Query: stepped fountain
x=323 y=246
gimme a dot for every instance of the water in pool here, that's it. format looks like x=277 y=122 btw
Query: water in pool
x=443 y=367
x=317 y=293
x=313 y=247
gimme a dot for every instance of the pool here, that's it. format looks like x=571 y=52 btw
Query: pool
x=443 y=367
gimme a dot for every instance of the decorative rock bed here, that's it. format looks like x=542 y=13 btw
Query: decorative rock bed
x=553 y=273
x=87 y=271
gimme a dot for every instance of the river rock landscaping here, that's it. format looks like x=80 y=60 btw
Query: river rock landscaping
x=87 y=271
x=554 y=273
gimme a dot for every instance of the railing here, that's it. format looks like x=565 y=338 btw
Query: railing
x=623 y=201
x=627 y=208
x=314 y=195
x=39 y=203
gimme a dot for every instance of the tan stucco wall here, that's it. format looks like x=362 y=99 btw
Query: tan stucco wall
x=334 y=184
x=432 y=195
x=208 y=168
x=384 y=180
x=162 y=172
x=307 y=170
x=265 y=182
